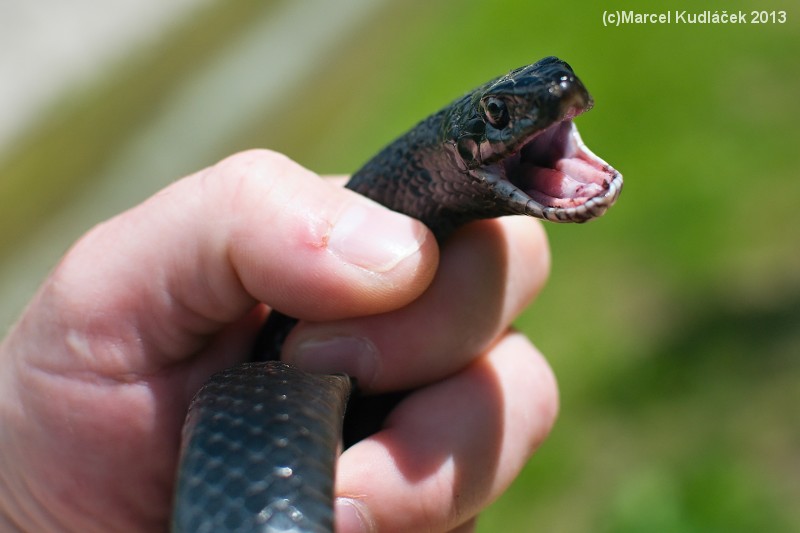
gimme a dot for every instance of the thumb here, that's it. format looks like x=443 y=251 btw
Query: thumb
x=255 y=227
x=316 y=251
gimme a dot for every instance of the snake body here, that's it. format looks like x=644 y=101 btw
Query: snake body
x=260 y=440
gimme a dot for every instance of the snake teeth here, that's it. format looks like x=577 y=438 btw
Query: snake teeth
x=565 y=181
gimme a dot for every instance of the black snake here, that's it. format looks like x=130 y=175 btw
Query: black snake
x=260 y=440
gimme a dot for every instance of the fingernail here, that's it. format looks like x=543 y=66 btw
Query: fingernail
x=350 y=517
x=374 y=238
x=355 y=356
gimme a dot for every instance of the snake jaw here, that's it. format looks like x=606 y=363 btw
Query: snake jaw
x=562 y=179
x=533 y=160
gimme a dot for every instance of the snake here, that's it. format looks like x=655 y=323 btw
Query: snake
x=260 y=440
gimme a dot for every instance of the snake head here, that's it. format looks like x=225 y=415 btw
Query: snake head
x=516 y=136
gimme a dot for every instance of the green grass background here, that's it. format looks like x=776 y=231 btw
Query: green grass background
x=673 y=323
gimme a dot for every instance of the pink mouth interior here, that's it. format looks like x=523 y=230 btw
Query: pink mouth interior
x=557 y=170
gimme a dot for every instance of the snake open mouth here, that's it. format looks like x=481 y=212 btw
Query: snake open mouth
x=560 y=174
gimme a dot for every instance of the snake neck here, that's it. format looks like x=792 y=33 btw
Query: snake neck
x=420 y=176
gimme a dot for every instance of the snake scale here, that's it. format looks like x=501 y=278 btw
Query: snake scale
x=260 y=440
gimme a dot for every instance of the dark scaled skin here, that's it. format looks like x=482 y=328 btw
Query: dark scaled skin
x=257 y=452
x=441 y=171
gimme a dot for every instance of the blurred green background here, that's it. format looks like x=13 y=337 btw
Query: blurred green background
x=673 y=323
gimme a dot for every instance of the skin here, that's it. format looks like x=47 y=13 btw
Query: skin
x=96 y=376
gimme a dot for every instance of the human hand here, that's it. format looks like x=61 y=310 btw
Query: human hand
x=96 y=377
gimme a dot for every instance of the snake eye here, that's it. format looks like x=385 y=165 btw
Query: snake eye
x=496 y=112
